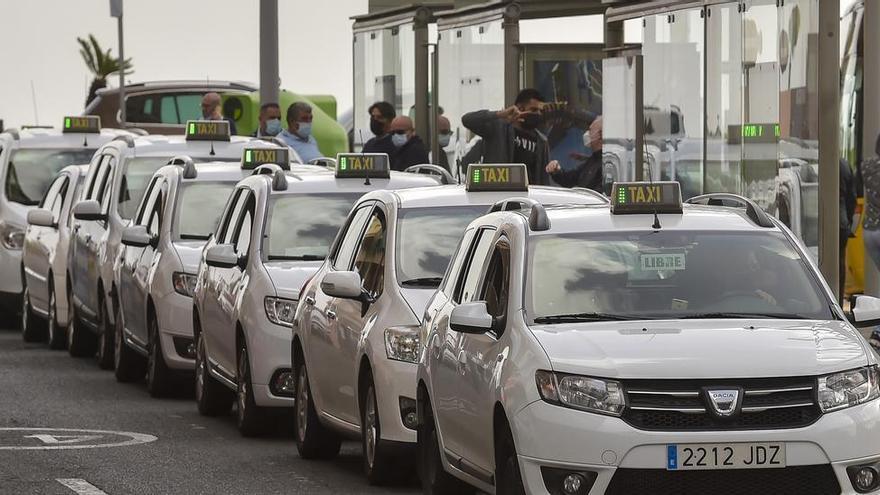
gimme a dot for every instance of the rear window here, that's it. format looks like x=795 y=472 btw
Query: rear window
x=31 y=171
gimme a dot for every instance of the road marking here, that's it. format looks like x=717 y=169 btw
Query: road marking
x=68 y=438
x=81 y=486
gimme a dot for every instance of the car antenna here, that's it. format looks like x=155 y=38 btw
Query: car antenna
x=367 y=178
x=212 y=148
x=457 y=158
x=656 y=225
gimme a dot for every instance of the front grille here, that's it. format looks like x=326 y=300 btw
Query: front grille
x=797 y=480
x=674 y=405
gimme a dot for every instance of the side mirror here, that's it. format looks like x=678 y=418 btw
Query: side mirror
x=222 y=256
x=88 y=210
x=137 y=236
x=472 y=317
x=866 y=311
x=41 y=217
x=346 y=285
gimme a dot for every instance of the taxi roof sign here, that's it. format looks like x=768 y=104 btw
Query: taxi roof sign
x=363 y=165
x=497 y=177
x=207 y=130
x=254 y=157
x=645 y=197
x=81 y=124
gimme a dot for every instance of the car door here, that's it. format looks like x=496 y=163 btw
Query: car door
x=84 y=255
x=142 y=259
x=128 y=259
x=323 y=340
x=447 y=376
x=369 y=263
x=40 y=243
x=233 y=282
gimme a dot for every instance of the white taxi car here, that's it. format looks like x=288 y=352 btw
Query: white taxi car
x=274 y=234
x=29 y=160
x=44 y=260
x=646 y=347
x=156 y=270
x=356 y=339
x=118 y=176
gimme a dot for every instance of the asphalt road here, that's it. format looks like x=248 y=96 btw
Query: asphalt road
x=42 y=390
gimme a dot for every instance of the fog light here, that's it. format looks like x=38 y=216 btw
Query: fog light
x=185 y=347
x=283 y=383
x=568 y=482
x=408 y=413
x=864 y=478
x=572 y=484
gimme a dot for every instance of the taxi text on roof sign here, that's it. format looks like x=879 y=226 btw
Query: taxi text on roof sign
x=497 y=177
x=645 y=197
x=254 y=157
x=207 y=130
x=88 y=123
x=373 y=165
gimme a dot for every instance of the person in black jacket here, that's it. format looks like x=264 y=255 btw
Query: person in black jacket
x=512 y=136
x=409 y=149
x=847 y=212
x=589 y=173
x=381 y=115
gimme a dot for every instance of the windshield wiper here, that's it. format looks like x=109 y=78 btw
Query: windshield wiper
x=707 y=316
x=432 y=282
x=575 y=317
x=194 y=237
x=302 y=257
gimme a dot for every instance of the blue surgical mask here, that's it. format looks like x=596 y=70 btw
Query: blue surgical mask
x=444 y=140
x=305 y=130
x=273 y=127
x=399 y=140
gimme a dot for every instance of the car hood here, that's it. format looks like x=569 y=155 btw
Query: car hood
x=417 y=299
x=16 y=213
x=703 y=348
x=190 y=254
x=289 y=276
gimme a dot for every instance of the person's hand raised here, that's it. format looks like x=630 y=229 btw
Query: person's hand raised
x=513 y=114
x=553 y=167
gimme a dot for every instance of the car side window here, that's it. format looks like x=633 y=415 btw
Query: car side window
x=226 y=218
x=496 y=285
x=154 y=214
x=108 y=186
x=96 y=187
x=469 y=278
x=232 y=225
x=58 y=200
x=370 y=260
x=53 y=192
x=345 y=251
x=146 y=203
x=455 y=265
x=243 y=232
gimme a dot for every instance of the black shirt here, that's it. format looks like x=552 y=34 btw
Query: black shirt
x=525 y=145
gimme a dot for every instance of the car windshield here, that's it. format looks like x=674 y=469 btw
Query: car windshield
x=199 y=206
x=670 y=275
x=134 y=182
x=31 y=171
x=429 y=237
x=302 y=226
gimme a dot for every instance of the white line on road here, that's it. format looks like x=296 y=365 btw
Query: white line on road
x=81 y=486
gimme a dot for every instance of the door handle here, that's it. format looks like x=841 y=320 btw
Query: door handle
x=462 y=362
x=331 y=315
x=310 y=300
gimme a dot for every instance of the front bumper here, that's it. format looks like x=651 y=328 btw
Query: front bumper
x=10 y=272
x=175 y=322
x=553 y=436
x=393 y=380
x=269 y=348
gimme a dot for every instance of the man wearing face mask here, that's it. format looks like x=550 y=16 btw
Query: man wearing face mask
x=298 y=134
x=512 y=136
x=270 y=121
x=381 y=115
x=211 y=110
x=409 y=149
x=589 y=173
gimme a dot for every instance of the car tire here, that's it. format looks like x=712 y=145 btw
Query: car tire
x=105 y=358
x=32 y=328
x=129 y=366
x=212 y=397
x=80 y=341
x=507 y=474
x=57 y=334
x=313 y=440
x=379 y=465
x=435 y=479
x=251 y=419
x=160 y=378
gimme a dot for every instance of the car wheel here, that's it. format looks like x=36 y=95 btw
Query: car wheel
x=80 y=342
x=435 y=479
x=378 y=464
x=507 y=466
x=313 y=440
x=212 y=397
x=128 y=364
x=105 y=352
x=251 y=418
x=160 y=378
x=57 y=334
x=32 y=329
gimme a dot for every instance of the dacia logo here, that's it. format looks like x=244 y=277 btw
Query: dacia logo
x=724 y=402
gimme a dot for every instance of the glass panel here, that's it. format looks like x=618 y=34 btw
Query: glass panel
x=572 y=29
x=31 y=171
x=619 y=122
x=723 y=98
x=168 y=110
x=134 y=183
x=303 y=226
x=199 y=207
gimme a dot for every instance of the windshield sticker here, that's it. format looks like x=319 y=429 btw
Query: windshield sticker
x=662 y=261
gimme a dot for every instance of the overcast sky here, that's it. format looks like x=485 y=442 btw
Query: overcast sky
x=170 y=39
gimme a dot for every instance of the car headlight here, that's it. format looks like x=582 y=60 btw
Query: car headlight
x=280 y=311
x=848 y=388
x=11 y=236
x=402 y=344
x=184 y=283
x=581 y=392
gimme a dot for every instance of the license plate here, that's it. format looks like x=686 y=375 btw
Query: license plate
x=695 y=456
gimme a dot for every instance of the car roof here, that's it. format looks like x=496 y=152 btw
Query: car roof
x=161 y=145
x=452 y=195
x=313 y=179
x=209 y=171
x=54 y=138
x=76 y=169
x=199 y=84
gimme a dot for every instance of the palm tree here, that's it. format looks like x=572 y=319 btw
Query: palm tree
x=100 y=63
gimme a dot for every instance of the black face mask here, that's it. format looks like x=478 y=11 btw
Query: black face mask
x=532 y=121
x=377 y=127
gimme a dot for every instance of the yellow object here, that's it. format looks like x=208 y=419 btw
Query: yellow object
x=855 y=256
